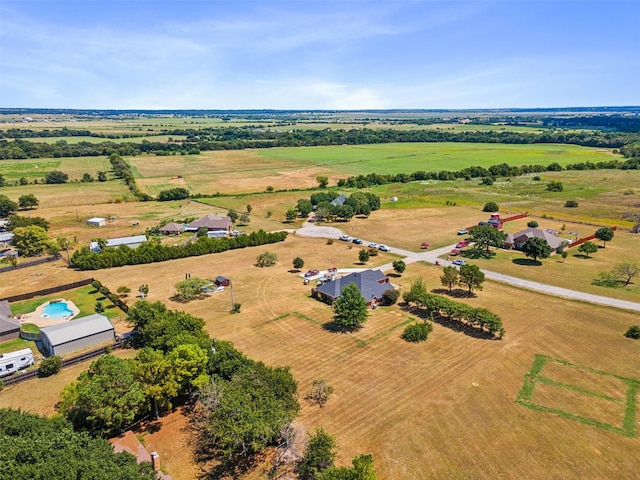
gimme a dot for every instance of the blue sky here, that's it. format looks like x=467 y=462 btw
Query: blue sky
x=349 y=54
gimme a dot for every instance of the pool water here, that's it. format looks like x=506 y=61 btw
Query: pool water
x=56 y=310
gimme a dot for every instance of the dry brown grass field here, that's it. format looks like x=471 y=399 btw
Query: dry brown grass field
x=443 y=409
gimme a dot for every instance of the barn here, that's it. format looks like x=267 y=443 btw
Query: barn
x=77 y=334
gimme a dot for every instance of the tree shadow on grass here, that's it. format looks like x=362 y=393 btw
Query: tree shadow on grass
x=334 y=327
x=455 y=293
x=527 y=262
x=452 y=324
x=475 y=253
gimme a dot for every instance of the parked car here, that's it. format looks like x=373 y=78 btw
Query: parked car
x=358 y=241
x=373 y=245
x=459 y=262
x=463 y=231
x=462 y=244
x=345 y=238
x=384 y=248
x=312 y=273
x=455 y=251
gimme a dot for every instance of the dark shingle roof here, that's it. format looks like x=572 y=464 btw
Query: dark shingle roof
x=212 y=222
x=368 y=282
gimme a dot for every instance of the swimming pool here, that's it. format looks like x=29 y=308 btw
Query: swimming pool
x=56 y=310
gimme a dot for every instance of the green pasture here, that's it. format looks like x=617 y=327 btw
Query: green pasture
x=409 y=157
x=38 y=168
x=76 y=139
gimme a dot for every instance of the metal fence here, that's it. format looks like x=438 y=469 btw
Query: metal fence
x=30 y=263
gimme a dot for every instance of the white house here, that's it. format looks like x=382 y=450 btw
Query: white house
x=6 y=238
x=97 y=222
x=77 y=334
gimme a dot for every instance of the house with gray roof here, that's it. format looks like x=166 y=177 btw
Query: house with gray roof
x=172 y=228
x=516 y=240
x=339 y=200
x=371 y=283
x=9 y=328
x=212 y=223
x=78 y=334
x=6 y=238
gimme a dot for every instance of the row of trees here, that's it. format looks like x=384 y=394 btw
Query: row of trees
x=359 y=203
x=27 y=201
x=439 y=306
x=153 y=251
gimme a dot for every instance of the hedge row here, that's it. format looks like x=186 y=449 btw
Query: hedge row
x=151 y=252
x=479 y=318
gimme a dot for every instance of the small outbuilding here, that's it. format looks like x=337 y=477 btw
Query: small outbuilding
x=339 y=200
x=6 y=238
x=85 y=332
x=97 y=222
x=222 y=281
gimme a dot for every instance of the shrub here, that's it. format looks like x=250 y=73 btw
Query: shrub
x=390 y=297
x=236 y=308
x=298 y=263
x=633 y=332
x=266 y=259
x=487 y=181
x=417 y=332
x=532 y=224
x=571 y=204
x=50 y=366
x=363 y=256
x=537 y=178
x=606 y=279
x=555 y=187
x=490 y=207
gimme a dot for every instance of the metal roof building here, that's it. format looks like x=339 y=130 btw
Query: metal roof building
x=77 y=334
x=131 y=242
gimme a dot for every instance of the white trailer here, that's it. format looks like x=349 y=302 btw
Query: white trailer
x=13 y=361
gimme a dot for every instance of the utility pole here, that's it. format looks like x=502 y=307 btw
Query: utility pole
x=232 y=302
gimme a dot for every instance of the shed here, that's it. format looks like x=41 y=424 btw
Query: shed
x=222 y=281
x=77 y=334
x=9 y=328
x=339 y=200
x=97 y=222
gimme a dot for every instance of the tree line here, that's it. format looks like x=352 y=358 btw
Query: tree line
x=233 y=138
x=439 y=306
x=152 y=251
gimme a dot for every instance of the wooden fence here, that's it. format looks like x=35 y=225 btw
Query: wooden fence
x=514 y=217
x=30 y=264
x=48 y=291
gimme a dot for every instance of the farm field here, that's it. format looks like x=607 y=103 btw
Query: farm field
x=78 y=139
x=446 y=400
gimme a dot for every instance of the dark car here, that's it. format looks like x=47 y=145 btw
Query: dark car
x=358 y=241
x=312 y=273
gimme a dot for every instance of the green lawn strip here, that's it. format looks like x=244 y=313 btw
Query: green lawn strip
x=308 y=319
x=534 y=376
x=30 y=328
x=273 y=320
x=17 y=344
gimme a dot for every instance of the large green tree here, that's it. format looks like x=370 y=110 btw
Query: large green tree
x=189 y=364
x=40 y=448
x=319 y=455
x=605 y=234
x=536 y=248
x=106 y=398
x=484 y=237
x=155 y=372
x=190 y=288
x=450 y=277
x=350 y=308
x=587 y=248
x=56 y=176
x=31 y=240
x=7 y=206
x=28 y=200
x=472 y=277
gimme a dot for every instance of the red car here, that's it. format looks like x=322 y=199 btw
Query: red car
x=462 y=244
x=312 y=273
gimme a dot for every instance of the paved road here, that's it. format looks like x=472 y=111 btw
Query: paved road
x=431 y=256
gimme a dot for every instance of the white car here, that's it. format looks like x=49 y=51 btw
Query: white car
x=373 y=245
x=459 y=262
x=345 y=238
x=463 y=231
x=384 y=248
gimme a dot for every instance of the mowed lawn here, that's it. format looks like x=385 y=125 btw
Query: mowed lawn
x=443 y=409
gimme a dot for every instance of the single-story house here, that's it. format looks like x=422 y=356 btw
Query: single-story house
x=85 y=332
x=172 y=228
x=6 y=238
x=516 y=240
x=212 y=223
x=131 y=242
x=222 y=281
x=9 y=328
x=371 y=283
x=339 y=200
x=97 y=222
